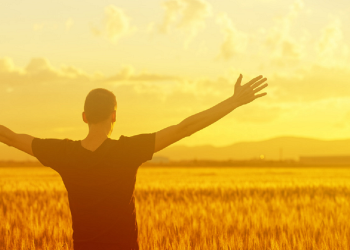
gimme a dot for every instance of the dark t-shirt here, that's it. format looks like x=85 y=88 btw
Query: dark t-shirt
x=100 y=187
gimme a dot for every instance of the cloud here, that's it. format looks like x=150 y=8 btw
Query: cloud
x=9 y=74
x=69 y=23
x=286 y=48
x=116 y=24
x=38 y=26
x=331 y=37
x=37 y=65
x=234 y=42
x=9 y=90
x=189 y=15
x=257 y=113
x=173 y=9
x=6 y=65
x=331 y=47
x=38 y=70
x=128 y=74
x=311 y=84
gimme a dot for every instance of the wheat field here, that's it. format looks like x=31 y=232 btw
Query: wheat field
x=193 y=208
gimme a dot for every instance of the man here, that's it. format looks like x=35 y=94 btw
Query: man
x=100 y=173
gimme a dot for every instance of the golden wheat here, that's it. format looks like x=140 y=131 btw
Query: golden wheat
x=198 y=208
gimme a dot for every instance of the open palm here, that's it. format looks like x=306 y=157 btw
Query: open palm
x=248 y=92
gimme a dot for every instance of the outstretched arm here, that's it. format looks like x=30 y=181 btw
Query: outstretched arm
x=243 y=94
x=20 y=141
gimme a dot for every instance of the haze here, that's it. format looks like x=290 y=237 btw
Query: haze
x=166 y=60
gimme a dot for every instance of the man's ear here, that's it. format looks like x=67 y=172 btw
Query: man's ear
x=84 y=117
x=114 y=115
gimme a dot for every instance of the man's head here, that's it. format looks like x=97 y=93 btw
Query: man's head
x=100 y=107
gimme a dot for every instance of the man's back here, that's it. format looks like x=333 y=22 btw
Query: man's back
x=100 y=186
x=101 y=183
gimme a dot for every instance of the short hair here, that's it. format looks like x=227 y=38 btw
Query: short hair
x=99 y=104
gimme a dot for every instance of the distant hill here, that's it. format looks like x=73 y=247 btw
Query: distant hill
x=273 y=149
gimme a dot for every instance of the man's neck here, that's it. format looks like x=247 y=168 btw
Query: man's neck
x=95 y=138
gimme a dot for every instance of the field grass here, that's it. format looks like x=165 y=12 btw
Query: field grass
x=198 y=208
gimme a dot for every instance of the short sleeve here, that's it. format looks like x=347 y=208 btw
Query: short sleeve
x=138 y=148
x=48 y=151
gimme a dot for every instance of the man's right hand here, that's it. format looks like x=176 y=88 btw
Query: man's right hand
x=246 y=93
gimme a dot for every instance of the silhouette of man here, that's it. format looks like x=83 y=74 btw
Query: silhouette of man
x=99 y=173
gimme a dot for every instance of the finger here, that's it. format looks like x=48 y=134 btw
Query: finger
x=260 y=88
x=251 y=91
x=258 y=83
x=260 y=95
x=251 y=82
x=239 y=80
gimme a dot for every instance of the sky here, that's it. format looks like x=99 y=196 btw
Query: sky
x=167 y=60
